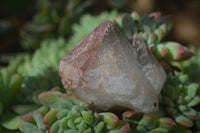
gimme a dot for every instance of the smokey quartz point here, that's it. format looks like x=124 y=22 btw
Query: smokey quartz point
x=106 y=70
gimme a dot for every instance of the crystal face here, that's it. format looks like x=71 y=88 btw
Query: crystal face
x=107 y=71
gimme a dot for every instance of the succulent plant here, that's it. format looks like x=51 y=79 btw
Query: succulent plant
x=152 y=28
x=46 y=57
x=61 y=112
x=192 y=66
x=33 y=84
x=10 y=84
x=39 y=72
x=179 y=97
x=53 y=18
x=143 y=123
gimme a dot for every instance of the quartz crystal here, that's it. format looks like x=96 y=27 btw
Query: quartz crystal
x=108 y=71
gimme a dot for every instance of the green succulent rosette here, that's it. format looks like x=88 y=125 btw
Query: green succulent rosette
x=47 y=57
x=39 y=83
x=152 y=29
x=40 y=71
x=65 y=113
x=179 y=98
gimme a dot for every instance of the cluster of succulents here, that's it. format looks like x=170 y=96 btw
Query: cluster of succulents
x=27 y=74
x=61 y=112
x=55 y=111
x=151 y=123
x=151 y=29
x=10 y=84
x=39 y=72
x=47 y=57
x=33 y=84
x=179 y=97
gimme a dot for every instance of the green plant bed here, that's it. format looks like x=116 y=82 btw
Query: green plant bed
x=26 y=85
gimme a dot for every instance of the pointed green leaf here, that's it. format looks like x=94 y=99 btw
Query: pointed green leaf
x=78 y=120
x=62 y=114
x=70 y=131
x=55 y=127
x=147 y=121
x=73 y=115
x=99 y=127
x=110 y=119
x=63 y=123
x=38 y=119
x=28 y=128
x=195 y=101
x=159 y=130
x=87 y=116
x=23 y=109
x=71 y=124
x=50 y=117
x=184 y=121
x=166 y=123
x=141 y=129
x=14 y=85
x=190 y=113
x=191 y=91
x=82 y=126
x=88 y=130
x=11 y=121
x=49 y=98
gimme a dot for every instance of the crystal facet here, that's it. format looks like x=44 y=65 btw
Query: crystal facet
x=106 y=70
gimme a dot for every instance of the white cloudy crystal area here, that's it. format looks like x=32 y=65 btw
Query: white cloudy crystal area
x=107 y=71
